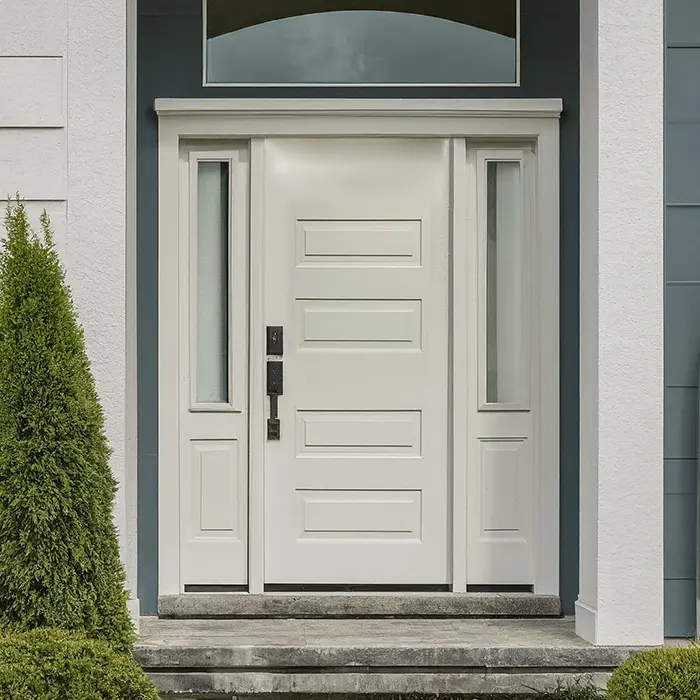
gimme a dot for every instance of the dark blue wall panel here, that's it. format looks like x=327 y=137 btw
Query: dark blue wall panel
x=170 y=65
x=682 y=319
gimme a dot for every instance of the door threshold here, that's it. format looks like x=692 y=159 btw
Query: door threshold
x=359 y=605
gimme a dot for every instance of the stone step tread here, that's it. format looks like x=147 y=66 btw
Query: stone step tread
x=420 y=644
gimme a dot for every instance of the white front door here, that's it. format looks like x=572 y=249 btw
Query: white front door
x=356 y=237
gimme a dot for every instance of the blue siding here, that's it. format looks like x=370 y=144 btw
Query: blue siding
x=682 y=322
x=170 y=65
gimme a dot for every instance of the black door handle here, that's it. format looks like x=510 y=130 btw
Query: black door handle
x=275 y=379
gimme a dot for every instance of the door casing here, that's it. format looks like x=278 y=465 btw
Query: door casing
x=489 y=121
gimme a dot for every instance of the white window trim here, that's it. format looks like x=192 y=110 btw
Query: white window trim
x=515 y=84
x=236 y=119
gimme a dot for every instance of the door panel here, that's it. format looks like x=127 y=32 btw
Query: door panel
x=356 y=271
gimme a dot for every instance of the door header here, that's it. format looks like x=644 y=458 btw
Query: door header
x=483 y=108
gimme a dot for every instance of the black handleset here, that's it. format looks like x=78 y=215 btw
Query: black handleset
x=275 y=378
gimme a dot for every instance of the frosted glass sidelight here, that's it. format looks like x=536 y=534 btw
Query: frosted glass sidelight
x=212 y=282
x=504 y=282
x=345 y=42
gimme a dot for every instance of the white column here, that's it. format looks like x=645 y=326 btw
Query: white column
x=96 y=239
x=621 y=516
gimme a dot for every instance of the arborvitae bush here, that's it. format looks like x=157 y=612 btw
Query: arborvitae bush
x=579 y=689
x=50 y=664
x=59 y=552
x=671 y=673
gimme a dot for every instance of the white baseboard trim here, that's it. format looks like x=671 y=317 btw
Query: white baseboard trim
x=134 y=607
x=586 y=621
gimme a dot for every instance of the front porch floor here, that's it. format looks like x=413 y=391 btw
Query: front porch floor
x=471 y=657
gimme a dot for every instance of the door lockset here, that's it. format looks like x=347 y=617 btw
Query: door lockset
x=274 y=346
x=275 y=375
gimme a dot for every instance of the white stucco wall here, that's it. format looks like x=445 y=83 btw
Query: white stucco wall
x=621 y=557
x=63 y=146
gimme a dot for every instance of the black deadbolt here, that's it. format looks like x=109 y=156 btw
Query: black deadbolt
x=275 y=342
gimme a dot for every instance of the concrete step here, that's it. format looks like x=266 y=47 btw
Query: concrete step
x=217 y=659
x=348 y=605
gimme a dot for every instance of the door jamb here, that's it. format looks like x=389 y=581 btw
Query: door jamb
x=257 y=399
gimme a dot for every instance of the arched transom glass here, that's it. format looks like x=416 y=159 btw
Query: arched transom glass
x=361 y=42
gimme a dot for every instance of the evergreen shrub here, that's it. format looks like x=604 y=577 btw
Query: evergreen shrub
x=52 y=664
x=671 y=673
x=59 y=552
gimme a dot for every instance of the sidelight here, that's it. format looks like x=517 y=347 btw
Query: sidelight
x=504 y=260
x=212 y=288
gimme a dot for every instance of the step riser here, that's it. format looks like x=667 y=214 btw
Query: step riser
x=311 y=606
x=217 y=686
x=440 y=658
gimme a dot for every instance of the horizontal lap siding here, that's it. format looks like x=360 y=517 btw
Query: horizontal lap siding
x=682 y=322
x=33 y=153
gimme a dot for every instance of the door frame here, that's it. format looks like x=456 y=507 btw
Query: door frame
x=253 y=120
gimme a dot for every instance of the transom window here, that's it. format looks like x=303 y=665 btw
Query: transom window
x=356 y=42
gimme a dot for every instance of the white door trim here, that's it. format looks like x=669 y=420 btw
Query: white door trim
x=236 y=119
x=300 y=108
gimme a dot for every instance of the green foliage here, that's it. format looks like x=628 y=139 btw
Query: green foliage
x=51 y=664
x=581 y=689
x=672 y=673
x=59 y=554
